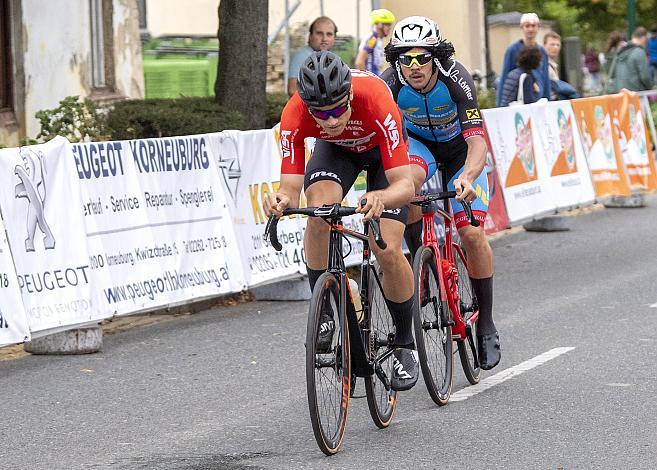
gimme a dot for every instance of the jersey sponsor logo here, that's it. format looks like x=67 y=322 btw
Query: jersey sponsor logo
x=410 y=110
x=472 y=113
x=460 y=81
x=393 y=132
x=371 y=42
x=440 y=108
x=353 y=143
x=286 y=149
x=326 y=174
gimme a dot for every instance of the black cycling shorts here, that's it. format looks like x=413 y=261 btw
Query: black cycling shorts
x=451 y=154
x=334 y=163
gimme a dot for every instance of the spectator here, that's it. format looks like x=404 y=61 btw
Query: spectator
x=520 y=84
x=592 y=64
x=629 y=68
x=615 y=43
x=652 y=51
x=529 y=24
x=370 y=53
x=559 y=89
x=321 y=37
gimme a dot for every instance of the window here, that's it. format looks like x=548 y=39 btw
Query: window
x=102 y=47
x=6 y=74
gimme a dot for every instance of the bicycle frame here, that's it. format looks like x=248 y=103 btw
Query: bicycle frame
x=446 y=263
x=359 y=331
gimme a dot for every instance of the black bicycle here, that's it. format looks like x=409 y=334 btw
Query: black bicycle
x=362 y=342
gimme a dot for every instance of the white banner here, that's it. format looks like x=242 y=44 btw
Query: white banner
x=249 y=168
x=156 y=222
x=40 y=203
x=522 y=167
x=569 y=178
x=13 y=323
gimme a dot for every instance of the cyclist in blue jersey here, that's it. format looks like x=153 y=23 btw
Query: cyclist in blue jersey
x=438 y=100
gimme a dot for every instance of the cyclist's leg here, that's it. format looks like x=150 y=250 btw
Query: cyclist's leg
x=480 y=268
x=423 y=166
x=330 y=173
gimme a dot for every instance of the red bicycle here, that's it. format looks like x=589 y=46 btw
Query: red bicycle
x=445 y=306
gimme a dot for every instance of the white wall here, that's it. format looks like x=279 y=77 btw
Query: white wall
x=57 y=53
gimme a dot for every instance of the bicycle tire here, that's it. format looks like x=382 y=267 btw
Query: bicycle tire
x=468 y=306
x=381 y=402
x=433 y=337
x=328 y=372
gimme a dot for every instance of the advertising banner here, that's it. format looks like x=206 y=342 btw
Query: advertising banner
x=156 y=221
x=633 y=142
x=249 y=167
x=13 y=323
x=593 y=117
x=496 y=218
x=40 y=202
x=569 y=178
x=520 y=161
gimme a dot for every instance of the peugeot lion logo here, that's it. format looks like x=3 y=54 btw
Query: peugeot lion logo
x=33 y=188
x=229 y=164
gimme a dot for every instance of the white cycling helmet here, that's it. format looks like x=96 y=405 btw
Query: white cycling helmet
x=415 y=31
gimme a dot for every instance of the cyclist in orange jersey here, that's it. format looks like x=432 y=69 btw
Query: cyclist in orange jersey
x=358 y=126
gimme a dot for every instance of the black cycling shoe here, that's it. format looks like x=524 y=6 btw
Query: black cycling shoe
x=488 y=347
x=405 y=369
x=325 y=335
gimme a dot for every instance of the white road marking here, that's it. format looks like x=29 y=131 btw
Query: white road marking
x=654 y=305
x=509 y=373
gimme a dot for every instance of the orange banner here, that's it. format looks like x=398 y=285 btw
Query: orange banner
x=599 y=139
x=633 y=142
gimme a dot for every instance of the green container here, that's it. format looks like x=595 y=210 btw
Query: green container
x=175 y=75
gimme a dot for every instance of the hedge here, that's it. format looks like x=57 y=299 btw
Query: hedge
x=139 y=119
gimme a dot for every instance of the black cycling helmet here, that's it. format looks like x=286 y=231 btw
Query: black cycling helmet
x=323 y=79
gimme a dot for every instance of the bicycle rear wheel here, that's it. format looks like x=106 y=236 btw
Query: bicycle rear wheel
x=468 y=307
x=381 y=401
x=433 y=334
x=328 y=374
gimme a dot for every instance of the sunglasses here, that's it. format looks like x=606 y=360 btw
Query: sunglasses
x=335 y=112
x=419 y=58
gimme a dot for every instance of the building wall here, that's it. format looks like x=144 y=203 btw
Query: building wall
x=461 y=23
x=53 y=58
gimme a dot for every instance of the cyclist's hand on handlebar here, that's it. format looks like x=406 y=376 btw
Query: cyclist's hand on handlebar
x=373 y=207
x=464 y=190
x=274 y=203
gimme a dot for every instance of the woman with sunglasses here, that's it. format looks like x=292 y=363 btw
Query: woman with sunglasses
x=438 y=100
x=357 y=126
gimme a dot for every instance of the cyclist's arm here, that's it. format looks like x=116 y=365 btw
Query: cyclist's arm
x=399 y=192
x=472 y=127
x=361 y=59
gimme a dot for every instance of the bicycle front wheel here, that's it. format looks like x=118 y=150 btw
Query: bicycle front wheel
x=433 y=333
x=328 y=375
x=381 y=399
x=468 y=307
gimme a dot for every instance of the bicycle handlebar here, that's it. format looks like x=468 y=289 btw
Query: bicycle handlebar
x=467 y=206
x=335 y=211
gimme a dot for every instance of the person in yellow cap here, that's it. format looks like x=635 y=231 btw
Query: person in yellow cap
x=370 y=52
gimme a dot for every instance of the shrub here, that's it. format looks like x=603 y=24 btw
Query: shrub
x=139 y=119
x=76 y=119
x=275 y=104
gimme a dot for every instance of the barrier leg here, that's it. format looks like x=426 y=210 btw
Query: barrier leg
x=633 y=201
x=551 y=223
x=296 y=289
x=79 y=341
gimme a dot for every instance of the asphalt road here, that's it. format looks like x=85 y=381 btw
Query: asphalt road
x=225 y=389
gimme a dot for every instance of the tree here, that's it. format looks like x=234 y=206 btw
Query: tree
x=241 y=72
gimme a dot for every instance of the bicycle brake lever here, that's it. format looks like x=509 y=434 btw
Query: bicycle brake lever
x=468 y=212
x=271 y=231
x=376 y=229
